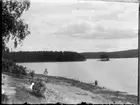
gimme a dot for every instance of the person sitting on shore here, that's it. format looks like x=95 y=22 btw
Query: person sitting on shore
x=45 y=72
x=32 y=85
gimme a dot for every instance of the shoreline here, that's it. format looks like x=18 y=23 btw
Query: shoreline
x=60 y=87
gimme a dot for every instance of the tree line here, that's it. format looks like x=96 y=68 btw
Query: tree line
x=43 y=56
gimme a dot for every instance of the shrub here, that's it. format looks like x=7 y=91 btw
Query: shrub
x=39 y=87
x=11 y=67
x=32 y=73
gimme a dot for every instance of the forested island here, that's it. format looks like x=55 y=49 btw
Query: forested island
x=43 y=56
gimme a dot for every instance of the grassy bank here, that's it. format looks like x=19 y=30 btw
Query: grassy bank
x=106 y=93
x=24 y=95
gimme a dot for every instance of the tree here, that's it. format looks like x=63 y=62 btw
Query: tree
x=13 y=27
x=32 y=73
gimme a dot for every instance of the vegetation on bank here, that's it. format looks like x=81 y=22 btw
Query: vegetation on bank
x=43 y=56
x=11 y=67
x=39 y=88
x=18 y=71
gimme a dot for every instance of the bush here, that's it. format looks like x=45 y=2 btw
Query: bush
x=32 y=73
x=39 y=87
x=11 y=67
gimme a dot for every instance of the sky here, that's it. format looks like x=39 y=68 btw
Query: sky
x=81 y=26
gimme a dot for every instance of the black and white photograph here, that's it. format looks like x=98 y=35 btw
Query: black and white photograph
x=70 y=51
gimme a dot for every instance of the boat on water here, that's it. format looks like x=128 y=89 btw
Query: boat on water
x=104 y=59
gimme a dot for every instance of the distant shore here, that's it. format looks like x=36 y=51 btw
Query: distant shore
x=44 y=56
x=116 y=54
x=65 y=56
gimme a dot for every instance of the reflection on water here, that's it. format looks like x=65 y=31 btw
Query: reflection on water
x=116 y=74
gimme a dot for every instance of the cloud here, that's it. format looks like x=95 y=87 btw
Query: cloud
x=75 y=25
x=102 y=12
x=85 y=20
x=88 y=29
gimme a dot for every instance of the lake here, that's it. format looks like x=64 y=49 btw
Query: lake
x=116 y=74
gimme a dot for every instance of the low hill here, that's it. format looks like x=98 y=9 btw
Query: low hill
x=118 y=54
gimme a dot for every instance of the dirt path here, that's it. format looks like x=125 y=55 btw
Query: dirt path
x=71 y=95
x=6 y=87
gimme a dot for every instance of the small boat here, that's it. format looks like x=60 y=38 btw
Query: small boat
x=104 y=59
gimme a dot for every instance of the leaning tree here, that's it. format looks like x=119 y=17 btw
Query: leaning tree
x=13 y=27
